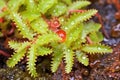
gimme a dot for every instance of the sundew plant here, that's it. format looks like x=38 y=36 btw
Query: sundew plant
x=61 y=28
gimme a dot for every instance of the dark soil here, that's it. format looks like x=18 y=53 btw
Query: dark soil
x=102 y=67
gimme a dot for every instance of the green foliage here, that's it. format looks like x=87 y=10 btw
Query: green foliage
x=69 y=59
x=57 y=57
x=96 y=48
x=58 y=9
x=68 y=2
x=44 y=5
x=19 y=53
x=14 y=5
x=96 y=37
x=77 y=18
x=82 y=57
x=76 y=46
x=25 y=31
x=31 y=16
x=33 y=49
x=78 y=5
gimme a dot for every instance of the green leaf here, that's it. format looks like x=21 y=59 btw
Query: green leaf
x=58 y=9
x=41 y=51
x=46 y=38
x=18 y=55
x=68 y=2
x=78 y=5
x=15 y=45
x=96 y=48
x=56 y=59
x=31 y=5
x=40 y=26
x=82 y=58
x=75 y=19
x=14 y=5
x=69 y=60
x=44 y=5
x=32 y=56
x=90 y=27
x=21 y=26
x=77 y=44
x=2 y=4
x=75 y=34
x=29 y=16
x=96 y=37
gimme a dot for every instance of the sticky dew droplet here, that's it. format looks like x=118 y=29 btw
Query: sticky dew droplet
x=99 y=48
x=83 y=57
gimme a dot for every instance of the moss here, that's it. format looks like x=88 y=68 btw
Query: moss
x=39 y=24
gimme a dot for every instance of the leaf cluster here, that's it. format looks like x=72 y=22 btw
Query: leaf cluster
x=29 y=20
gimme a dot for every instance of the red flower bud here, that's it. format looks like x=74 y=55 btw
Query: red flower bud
x=62 y=34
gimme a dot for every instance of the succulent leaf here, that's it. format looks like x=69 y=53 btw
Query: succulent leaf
x=78 y=5
x=41 y=51
x=46 y=38
x=18 y=55
x=58 y=9
x=82 y=58
x=76 y=33
x=68 y=2
x=56 y=59
x=31 y=5
x=2 y=4
x=90 y=27
x=69 y=59
x=15 y=5
x=75 y=19
x=32 y=56
x=77 y=44
x=96 y=48
x=44 y=5
x=41 y=24
x=14 y=45
x=96 y=37
x=25 y=31
x=29 y=16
